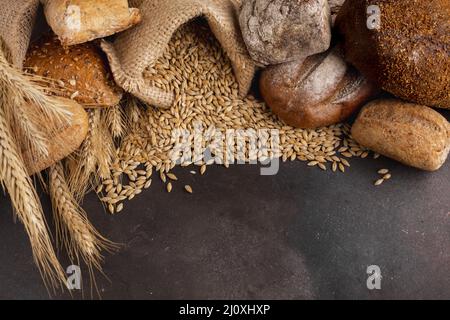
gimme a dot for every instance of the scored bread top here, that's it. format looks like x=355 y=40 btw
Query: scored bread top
x=79 y=72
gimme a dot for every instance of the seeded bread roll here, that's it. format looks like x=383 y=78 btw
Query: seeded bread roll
x=316 y=92
x=413 y=134
x=61 y=143
x=79 y=21
x=80 y=72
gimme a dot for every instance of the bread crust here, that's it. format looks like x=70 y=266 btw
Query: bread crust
x=62 y=143
x=79 y=21
x=408 y=55
x=80 y=72
x=412 y=134
x=319 y=91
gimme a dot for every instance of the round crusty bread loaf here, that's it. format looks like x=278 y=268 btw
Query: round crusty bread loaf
x=79 y=21
x=316 y=92
x=279 y=31
x=62 y=143
x=413 y=134
x=407 y=53
x=80 y=72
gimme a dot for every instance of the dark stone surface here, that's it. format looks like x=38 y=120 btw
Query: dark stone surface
x=303 y=233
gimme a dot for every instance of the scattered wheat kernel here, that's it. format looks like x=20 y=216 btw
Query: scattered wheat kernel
x=119 y=207
x=171 y=176
x=169 y=187
x=148 y=184
x=203 y=169
x=383 y=171
x=347 y=154
x=379 y=182
x=111 y=209
x=387 y=176
x=162 y=176
x=345 y=162
x=188 y=189
x=334 y=166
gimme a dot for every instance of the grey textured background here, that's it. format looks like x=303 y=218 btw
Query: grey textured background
x=303 y=233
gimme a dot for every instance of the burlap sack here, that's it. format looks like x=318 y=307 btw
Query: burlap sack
x=17 y=18
x=137 y=48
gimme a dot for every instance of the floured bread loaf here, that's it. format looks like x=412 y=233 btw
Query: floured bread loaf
x=79 y=21
x=319 y=91
x=80 y=72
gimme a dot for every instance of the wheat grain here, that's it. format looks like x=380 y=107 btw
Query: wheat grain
x=188 y=189
x=206 y=91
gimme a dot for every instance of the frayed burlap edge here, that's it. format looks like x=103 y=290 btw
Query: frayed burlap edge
x=136 y=49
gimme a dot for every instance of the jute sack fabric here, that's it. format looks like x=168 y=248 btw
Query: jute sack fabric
x=17 y=18
x=137 y=48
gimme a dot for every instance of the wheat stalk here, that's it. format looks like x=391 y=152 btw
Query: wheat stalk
x=26 y=89
x=15 y=179
x=115 y=121
x=74 y=231
x=103 y=147
x=83 y=164
x=24 y=126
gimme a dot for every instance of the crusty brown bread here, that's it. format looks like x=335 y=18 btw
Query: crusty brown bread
x=279 y=31
x=403 y=46
x=319 y=91
x=80 y=72
x=62 y=143
x=79 y=21
x=413 y=134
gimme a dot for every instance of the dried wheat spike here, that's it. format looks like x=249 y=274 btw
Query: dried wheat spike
x=14 y=177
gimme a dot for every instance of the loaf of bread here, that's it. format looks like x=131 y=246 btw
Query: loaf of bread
x=79 y=21
x=79 y=72
x=415 y=135
x=277 y=31
x=62 y=143
x=403 y=46
x=319 y=91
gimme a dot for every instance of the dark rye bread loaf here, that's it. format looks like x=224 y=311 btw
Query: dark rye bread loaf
x=409 y=54
x=413 y=134
x=318 y=91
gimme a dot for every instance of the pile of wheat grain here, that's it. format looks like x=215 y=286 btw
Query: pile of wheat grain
x=196 y=68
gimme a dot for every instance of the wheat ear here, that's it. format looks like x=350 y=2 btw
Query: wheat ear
x=74 y=230
x=115 y=121
x=25 y=126
x=82 y=165
x=26 y=89
x=15 y=179
x=104 y=148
